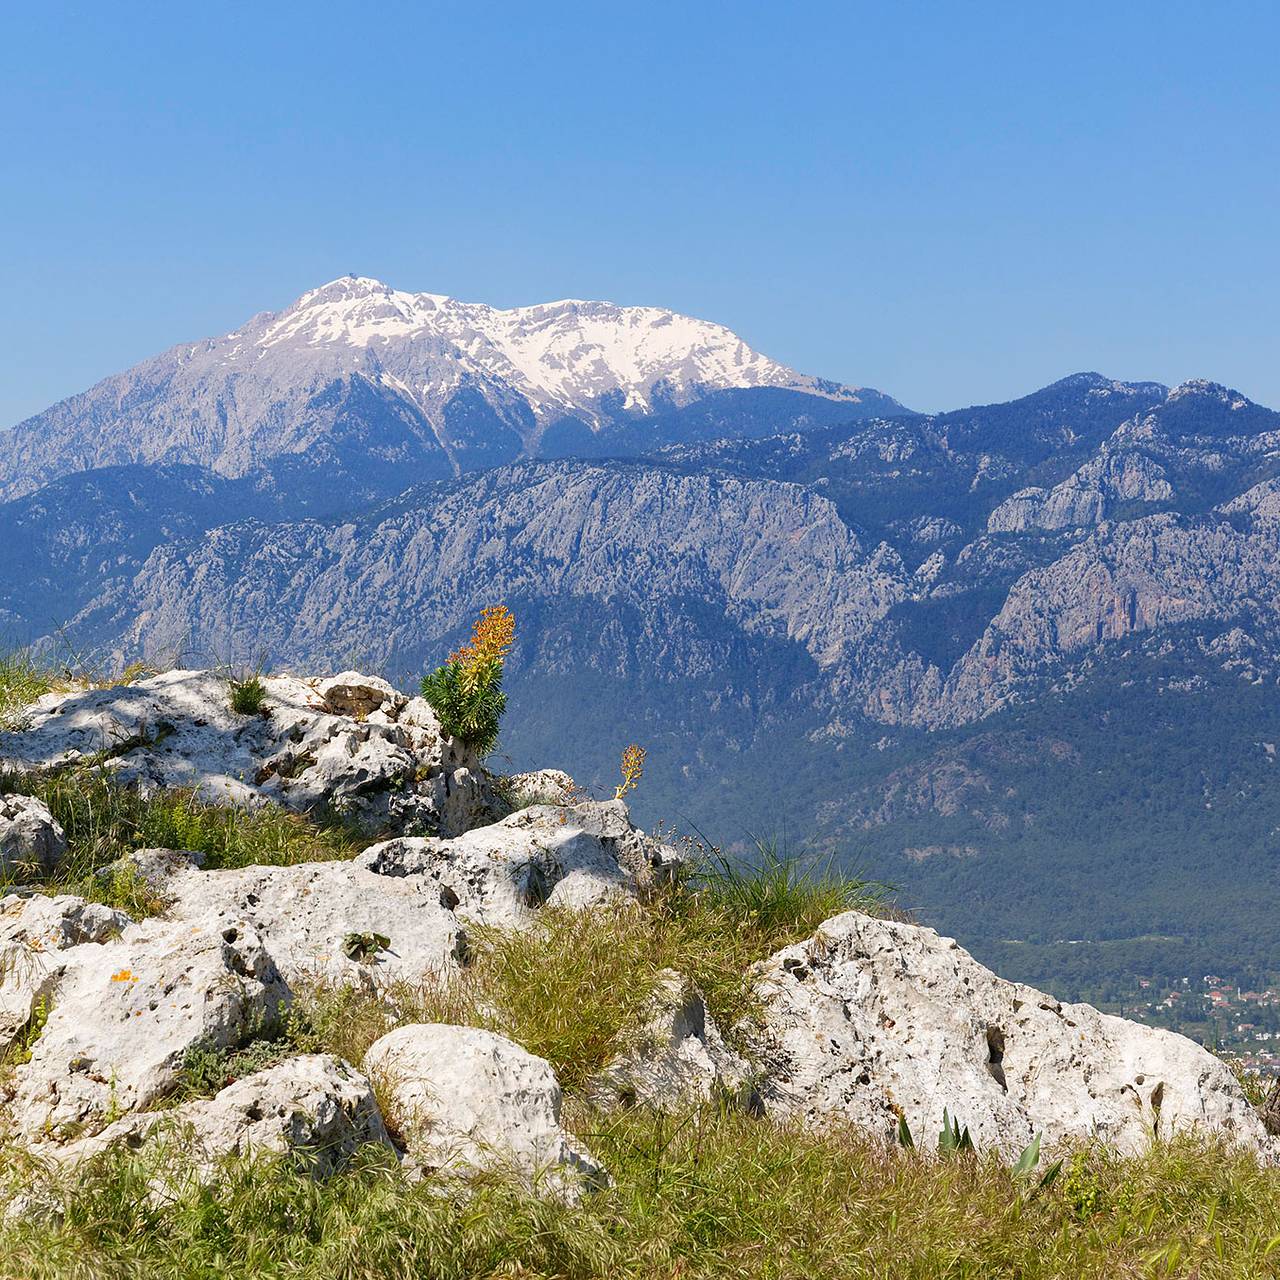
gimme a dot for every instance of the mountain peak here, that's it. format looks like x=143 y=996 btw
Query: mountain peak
x=474 y=383
x=1204 y=389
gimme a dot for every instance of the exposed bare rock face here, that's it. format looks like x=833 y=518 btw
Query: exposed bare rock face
x=1087 y=497
x=126 y=1012
x=467 y=1099
x=678 y=1057
x=416 y=894
x=36 y=934
x=30 y=838
x=871 y=1020
x=314 y=1107
x=349 y=744
x=582 y=855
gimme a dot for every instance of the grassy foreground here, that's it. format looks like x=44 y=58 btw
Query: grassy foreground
x=709 y=1193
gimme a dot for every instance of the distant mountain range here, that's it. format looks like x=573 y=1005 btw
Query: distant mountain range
x=1020 y=659
x=391 y=387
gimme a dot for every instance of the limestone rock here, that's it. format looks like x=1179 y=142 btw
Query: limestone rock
x=126 y=1012
x=35 y=933
x=565 y=856
x=1116 y=476
x=353 y=694
x=870 y=1018
x=679 y=1055
x=467 y=1100
x=315 y=746
x=304 y=913
x=315 y=1106
x=541 y=786
x=30 y=838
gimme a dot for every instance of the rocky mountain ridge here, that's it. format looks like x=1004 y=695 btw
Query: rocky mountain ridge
x=873 y=598
x=359 y=376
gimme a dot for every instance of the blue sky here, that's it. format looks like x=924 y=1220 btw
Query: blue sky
x=953 y=202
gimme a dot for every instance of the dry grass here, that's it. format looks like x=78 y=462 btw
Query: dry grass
x=709 y=1194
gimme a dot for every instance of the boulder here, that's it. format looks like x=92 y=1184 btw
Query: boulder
x=871 y=1019
x=315 y=1107
x=315 y=746
x=126 y=1012
x=31 y=841
x=542 y=786
x=465 y=1100
x=35 y=933
x=679 y=1056
x=574 y=856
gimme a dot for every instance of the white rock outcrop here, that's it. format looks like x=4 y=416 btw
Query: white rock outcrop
x=678 y=1057
x=871 y=1018
x=305 y=914
x=540 y=786
x=35 y=934
x=31 y=841
x=419 y=893
x=315 y=1107
x=502 y=874
x=126 y=1012
x=316 y=745
x=1117 y=475
x=466 y=1100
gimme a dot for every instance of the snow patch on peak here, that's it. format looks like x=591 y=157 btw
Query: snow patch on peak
x=562 y=357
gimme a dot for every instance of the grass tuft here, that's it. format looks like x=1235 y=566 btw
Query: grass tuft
x=248 y=696
x=104 y=821
x=22 y=681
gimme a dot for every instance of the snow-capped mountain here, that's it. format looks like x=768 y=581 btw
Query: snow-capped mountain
x=367 y=375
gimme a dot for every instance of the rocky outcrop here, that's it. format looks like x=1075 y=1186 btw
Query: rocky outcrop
x=314 y=1107
x=1145 y=574
x=31 y=841
x=126 y=1012
x=1094 y=491
x=416 y=893
x=464 y=1099
x=872 y=1020
x=305 y=916
x=678 y=1056
x=36 y=932
x=575 y=856
x=350 y=745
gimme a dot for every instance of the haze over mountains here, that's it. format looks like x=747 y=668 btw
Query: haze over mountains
x=1018 y=659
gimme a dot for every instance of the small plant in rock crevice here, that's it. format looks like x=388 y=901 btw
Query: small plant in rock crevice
x=248 y=696
x=466 y=691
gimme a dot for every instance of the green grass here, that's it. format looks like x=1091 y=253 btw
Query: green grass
x=104 y=821
x=248 y=696
x=22 y=681
x=708 y=1194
